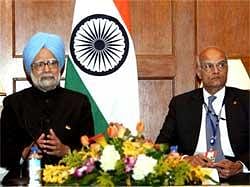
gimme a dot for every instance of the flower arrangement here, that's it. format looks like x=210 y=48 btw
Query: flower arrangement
x=120 y=158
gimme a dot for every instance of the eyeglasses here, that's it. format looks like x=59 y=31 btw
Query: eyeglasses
x=40 y=65
x=209 y=67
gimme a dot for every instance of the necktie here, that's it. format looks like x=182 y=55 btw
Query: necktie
x=213 y=130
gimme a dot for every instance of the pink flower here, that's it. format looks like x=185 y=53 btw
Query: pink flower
x=79 y=171
x=90 y=164
x=88 y=167
x=129 y=163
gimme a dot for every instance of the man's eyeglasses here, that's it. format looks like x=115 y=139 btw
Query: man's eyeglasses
x=40 y=65
x=209 y=67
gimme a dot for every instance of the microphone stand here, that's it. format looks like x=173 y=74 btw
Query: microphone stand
x=21 y=168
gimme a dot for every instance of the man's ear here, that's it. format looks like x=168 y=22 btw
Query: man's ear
x=198 y=72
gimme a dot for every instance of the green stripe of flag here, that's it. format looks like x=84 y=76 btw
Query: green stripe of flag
x=74 y=82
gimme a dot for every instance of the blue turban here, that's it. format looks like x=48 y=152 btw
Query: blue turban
x=40 y=40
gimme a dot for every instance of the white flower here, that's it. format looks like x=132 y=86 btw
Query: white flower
x=143 y=166
x=109 y=158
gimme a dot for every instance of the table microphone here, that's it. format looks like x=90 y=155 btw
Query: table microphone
x=17 y=176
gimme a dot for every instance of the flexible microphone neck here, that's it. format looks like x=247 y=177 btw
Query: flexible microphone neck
x=21 y=163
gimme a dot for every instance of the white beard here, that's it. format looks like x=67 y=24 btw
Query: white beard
x=46 y=81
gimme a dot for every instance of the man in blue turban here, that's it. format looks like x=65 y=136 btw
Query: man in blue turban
x=38 y=43
x=45 y=115
x=40 y=40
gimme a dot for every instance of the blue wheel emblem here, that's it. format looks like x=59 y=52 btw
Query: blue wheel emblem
x=99 y=44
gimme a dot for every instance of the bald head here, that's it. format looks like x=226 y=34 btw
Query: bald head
x=211 y=54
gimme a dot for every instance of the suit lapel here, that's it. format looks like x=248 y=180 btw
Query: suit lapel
x=231 y=107
x=195 y=117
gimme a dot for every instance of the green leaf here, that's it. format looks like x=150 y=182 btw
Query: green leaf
x=88 y=179
x=105 y=180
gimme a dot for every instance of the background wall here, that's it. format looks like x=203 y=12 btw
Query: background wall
x=167 y=36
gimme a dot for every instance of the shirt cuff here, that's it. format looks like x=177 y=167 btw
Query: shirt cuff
x=244 y=169
x=183 y=156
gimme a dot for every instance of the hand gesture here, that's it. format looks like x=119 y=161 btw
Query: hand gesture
x=52 y=145
x=199 y=159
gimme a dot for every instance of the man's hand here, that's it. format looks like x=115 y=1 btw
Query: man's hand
x=227 y=168
x=200 y=160
x=38 y=143
x=52 y=145
x=26 y=151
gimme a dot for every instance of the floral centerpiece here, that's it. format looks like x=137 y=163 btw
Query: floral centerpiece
x=120 y=158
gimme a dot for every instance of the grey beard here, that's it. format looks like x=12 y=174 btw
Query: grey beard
x=46 y=81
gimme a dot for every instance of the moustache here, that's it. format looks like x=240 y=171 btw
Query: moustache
x=216 y=77
x=47 y=76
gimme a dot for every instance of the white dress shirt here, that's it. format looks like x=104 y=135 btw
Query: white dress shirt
x=219 y=107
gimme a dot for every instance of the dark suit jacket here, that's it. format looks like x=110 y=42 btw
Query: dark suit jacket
x=30 y=112
x=182 y=124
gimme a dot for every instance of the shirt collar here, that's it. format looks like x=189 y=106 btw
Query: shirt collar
x=219 y=95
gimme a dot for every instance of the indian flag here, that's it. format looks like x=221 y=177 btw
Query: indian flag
x=102 y=62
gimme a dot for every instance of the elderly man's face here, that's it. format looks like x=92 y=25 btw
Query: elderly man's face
x=45 y=73
x=213 y=70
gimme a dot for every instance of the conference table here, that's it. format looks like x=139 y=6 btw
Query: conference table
x=13 y=178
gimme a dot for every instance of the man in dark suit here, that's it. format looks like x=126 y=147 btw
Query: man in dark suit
x=46 y=115
x=186 y=123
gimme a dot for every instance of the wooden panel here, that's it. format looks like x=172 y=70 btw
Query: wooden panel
x=152 y=26
x=153 y=36
x=41 y=15
x=155 y=96
x=152 y=32
x=225 y=24
x=184 y=19
x=156 y=66
x=5 y=30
